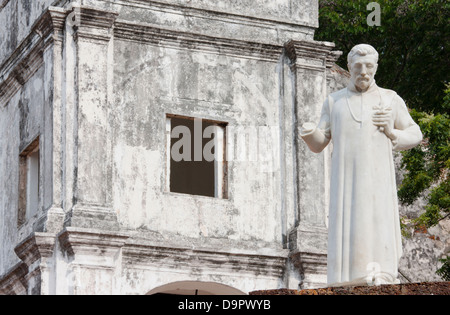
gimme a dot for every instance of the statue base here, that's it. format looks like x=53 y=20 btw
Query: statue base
x=424 y=288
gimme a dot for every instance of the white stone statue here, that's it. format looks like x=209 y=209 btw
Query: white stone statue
x=365 y=123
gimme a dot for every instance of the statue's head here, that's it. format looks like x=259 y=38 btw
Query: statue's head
x=362 y=64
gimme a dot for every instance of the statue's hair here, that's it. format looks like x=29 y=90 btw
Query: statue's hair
x=362 y=50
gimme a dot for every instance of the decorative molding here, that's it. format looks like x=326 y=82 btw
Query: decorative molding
x=21 y=73
x=308 y=245
x=28 y=57
x=13 y=282
x=81 y=245
x=35 y=247
x=3 y=4
x=93 y=24
x=92 y=216
x=333 y=57
x=8 y=88
x=309 y=238
x=312 y=267
x=309 y=262
x=77 y=241
x=51 y=24
x=156 y=256
x=183 y=40
x=312 y=55
x=218 y=14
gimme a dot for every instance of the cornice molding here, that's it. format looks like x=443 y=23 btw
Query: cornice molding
x=82 y=242
x=145 y=254
x=35 y=247
x=3 y=4
x=313 y=55
x=13 y=282
x=51 y=23
x=155 y=256
x=93 y=24
x=182 y=40
x=18 y=70
x=333 y=57
x=76 y=241
x=28 y=57
x=217 y=13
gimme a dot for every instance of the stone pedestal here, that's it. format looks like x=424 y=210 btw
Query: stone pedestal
x=424 y=288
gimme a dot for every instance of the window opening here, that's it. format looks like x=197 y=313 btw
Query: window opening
x=196 y=156
x=29 y=170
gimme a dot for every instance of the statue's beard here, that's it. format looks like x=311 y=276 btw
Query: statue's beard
x=363 y=83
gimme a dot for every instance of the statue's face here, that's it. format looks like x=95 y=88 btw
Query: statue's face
x=362 y=70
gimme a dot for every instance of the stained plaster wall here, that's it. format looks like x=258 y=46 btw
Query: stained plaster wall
x=151 y=82
x=21 y=122
x=17 y=18
x=25 y=114
x=170 y=57
x=99 y=103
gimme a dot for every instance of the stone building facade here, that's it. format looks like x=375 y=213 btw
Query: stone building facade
x=92 y=200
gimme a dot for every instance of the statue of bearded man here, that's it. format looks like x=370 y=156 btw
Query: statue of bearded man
x=365 y=123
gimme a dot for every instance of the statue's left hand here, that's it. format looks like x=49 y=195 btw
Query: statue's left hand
x=382 y=119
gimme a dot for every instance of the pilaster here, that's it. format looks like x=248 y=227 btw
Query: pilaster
x=51 y=29
x=308 y=240
x=91 y=152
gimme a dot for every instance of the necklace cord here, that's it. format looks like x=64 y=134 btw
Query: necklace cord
x=379 y=107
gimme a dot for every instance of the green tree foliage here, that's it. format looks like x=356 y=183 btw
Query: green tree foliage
x=444 y=272
x=413 y=41
x=427 y=166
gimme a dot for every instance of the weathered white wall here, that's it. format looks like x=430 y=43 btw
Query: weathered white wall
x=17 y=18
x=99 y=104
x=98 y=96
x=261 y=21
x=151 y=82
x=20 y=124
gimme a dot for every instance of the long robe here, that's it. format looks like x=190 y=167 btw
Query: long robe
x=364 y=239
